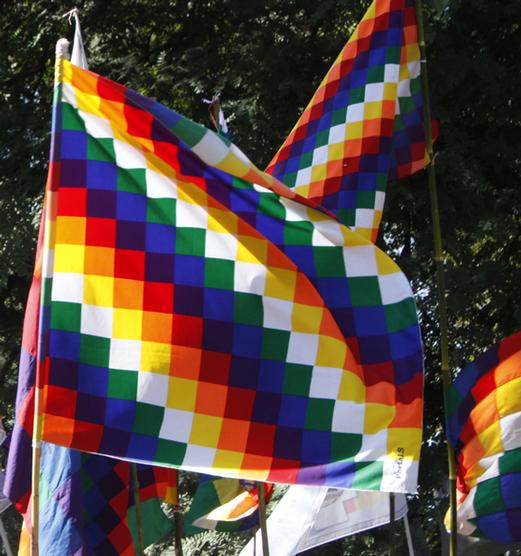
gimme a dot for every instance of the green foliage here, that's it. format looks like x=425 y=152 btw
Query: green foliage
x=267 y=58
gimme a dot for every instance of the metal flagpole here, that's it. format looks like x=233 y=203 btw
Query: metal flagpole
x=262 y=519
x=5 y=540
x=177 y=519
x=391 y=523
x=440 y=271
x=408 y=535
x=137 y=503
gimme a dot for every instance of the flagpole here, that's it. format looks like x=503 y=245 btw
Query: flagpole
x=408 y=535
x=177 y=519
x=391 y=523
x=137 y=504
x=440 y=271
x=62 y=53
x=262 y=519
x=5 y=540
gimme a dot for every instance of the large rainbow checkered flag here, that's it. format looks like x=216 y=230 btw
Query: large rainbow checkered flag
x=364 y=125
x=484 y=426
x=199 y=314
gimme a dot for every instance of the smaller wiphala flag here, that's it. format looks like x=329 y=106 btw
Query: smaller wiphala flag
x=223 y=504
x=484 y=425
x=364 y=125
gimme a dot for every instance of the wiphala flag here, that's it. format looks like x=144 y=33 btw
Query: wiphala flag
x=199 y=314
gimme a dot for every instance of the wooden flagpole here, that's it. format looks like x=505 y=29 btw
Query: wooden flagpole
x=137 y=504
x=262 y=519
x=62 y=53
x=440 y=271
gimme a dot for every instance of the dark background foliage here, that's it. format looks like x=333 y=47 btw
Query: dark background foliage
x=267 y=58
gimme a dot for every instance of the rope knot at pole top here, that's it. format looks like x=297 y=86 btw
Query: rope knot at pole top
x=71 y=14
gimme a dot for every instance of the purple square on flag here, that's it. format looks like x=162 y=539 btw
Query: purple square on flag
x=288 y=443
x=188 y=300
x=514 y=522
x=266 y=408
x=73 y=173
x=64 y=373
x=101 y=203
x=159 y=267
x=217 y=336
x=190 y=163
x=159 y=132
x=374 y=349
x=345 y=320
x=130 y=235
x=114 y=441
x=218 y=192
x=90 y=408
x=244 y=372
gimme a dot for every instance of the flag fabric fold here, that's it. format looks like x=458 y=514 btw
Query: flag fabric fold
x=364 y=125
x=222 y=504
x=201 y=320
x=484 y=424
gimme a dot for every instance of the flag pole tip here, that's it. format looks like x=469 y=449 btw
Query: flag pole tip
x=62 y=48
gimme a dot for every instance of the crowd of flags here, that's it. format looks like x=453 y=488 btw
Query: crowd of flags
x=190 y=311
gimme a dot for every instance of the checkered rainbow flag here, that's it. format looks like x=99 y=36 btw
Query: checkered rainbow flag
x=484 y=426
x=199 y=314
x=364 y=125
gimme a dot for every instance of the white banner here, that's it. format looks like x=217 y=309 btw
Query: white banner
x=310 y=516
